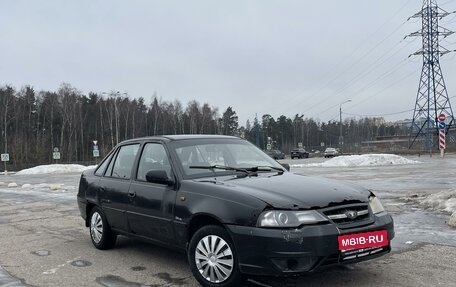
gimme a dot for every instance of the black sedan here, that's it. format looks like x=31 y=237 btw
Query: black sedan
x=232 y=208
x=299 y=153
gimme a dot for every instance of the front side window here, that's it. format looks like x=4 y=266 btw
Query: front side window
x=123 y=164
x=154 y=157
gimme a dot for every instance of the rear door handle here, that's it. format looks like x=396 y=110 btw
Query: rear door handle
x=131 y=194
x=102 y=188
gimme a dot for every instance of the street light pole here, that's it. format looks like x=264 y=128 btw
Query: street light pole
x=116 y=117
x=115 y=95
x=341 y=136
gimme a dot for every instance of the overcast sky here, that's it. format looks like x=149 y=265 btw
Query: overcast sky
x=260 y=57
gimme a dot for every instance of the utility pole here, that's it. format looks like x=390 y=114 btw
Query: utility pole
x=5 y=156
x=116 y=116
x=341 y=136
x=432 y=97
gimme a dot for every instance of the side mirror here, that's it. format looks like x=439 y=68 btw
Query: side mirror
x=159 y=176
x=286 y=166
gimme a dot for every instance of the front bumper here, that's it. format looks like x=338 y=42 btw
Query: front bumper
x=264 y=251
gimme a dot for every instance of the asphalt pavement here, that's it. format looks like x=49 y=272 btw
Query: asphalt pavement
x=43 y=241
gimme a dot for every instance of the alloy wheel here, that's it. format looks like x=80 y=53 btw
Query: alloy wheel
x=214 y=259
x=96 y=227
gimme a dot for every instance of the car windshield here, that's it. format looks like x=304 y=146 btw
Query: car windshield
x=233 y=153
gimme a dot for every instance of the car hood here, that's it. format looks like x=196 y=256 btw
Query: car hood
x=293 y=191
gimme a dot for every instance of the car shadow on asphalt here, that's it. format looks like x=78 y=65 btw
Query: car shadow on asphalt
x=344 y=275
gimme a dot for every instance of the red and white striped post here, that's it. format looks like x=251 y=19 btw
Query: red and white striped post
x=442 y=139
x=442 y=132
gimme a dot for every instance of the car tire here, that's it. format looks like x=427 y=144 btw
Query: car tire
x=100 y=232
x=214 y=269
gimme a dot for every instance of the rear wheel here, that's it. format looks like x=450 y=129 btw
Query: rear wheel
x=213 y=259
x=100 y=233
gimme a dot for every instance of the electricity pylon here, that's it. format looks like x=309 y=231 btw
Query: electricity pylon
x=432 y=98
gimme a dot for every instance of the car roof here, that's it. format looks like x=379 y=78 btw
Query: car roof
x=179 y=137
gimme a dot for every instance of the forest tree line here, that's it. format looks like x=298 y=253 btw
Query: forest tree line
x=33 y=123
x=286 y=133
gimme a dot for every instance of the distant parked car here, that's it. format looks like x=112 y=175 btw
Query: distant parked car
x=275 y=154
x=331 y=152
x=299 y=153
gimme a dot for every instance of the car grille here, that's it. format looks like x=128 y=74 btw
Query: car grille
x=353 y=256
x=349 y=216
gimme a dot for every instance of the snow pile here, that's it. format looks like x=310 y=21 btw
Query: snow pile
x=54 y=168
x=361 y=160
x=442 y=201
x=52 y=187
x=452 y=221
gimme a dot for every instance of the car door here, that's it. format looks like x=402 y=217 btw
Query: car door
x=151 y=206
x=114 y=186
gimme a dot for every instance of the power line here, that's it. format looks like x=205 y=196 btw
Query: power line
x=386 y=88
x=396 y=68
x=381 y=115
x=370 y=68
x=364 y=73
x=346 y=59
x=381 y=91
x=443 y=4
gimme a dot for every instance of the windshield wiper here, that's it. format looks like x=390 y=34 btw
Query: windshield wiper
x=224 y=167
x=265 y=168
x=249 y=171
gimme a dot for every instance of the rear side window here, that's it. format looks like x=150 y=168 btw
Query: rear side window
x=123 y=164
x=103 y=166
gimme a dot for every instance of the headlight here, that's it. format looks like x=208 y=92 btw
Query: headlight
x=375 y=205
x=287 y=218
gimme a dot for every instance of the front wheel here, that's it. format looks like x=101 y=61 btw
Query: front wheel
x=100 y=233
x=213 y=259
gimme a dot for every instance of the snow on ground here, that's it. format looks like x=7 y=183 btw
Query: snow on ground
x=52 y=187
x=54 y=168
x=361 y=160
x=40 y=172
x=441 y=201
